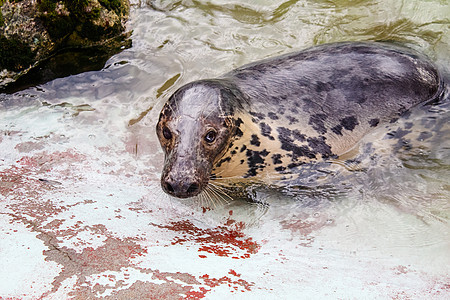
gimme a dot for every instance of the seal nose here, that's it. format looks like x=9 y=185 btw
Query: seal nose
x=180 y=189
x=193 y=188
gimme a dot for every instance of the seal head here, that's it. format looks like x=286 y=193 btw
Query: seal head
x=195 y=128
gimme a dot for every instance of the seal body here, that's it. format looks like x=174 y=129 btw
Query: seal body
x=278 y=121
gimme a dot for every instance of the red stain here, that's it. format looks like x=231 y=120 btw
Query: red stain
x=216 y=249
x=22 y=181
x=235 y=284
x=45 y=161
x=15 y=181
x=400 y=270
x=304 y=226
x=228 y=240
x=205 y=209
x=301 y=226
x=24 y=193
x=197 y=294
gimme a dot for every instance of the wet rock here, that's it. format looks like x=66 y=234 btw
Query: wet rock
x=34 y=31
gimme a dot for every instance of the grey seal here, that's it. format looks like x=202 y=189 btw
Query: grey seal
x=272 y=120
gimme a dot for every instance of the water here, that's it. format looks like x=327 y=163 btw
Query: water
x=80 y=170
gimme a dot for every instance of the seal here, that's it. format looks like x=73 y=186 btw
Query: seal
x=280 y=120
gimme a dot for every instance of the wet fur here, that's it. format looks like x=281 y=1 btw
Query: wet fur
x=289 y=120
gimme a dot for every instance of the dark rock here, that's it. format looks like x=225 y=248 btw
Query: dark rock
x=33 y=32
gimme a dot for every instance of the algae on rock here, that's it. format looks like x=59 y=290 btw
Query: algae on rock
x=33 y=31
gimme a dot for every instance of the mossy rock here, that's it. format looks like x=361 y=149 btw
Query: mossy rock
x=33 y=31
x=15 y=55
x=93 y=20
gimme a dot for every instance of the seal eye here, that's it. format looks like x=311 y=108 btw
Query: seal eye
x=166 y=133
x=210 y=136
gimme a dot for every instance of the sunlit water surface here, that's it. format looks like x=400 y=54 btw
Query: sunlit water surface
x=393 y=217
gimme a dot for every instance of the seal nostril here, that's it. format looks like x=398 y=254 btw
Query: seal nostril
x=192 y=188
x=169 y=187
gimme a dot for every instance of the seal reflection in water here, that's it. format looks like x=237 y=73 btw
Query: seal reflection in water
x=274 y=121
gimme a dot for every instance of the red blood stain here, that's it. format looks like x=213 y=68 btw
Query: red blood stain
x=227 y=240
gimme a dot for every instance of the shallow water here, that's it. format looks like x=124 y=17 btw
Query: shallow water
x=80 y=166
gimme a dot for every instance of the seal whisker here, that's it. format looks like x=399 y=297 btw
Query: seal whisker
x=210 y=194
x=221 y=185
x=218 y=196
x=201 y=198
x=214 y=197
x=210 y=198
x=206 y=199
x=223 y=199
x=218 y=173
x=227 y=183
x=223 y=191
x=220 y=192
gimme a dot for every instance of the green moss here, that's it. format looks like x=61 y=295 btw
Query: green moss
x=47 y=6
x=78 y=24
x=115 y=5
x=14 y=54
x=95 y=13
x=2 y=21
x=96 y=33
x=77 y=7
x=58 y=26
